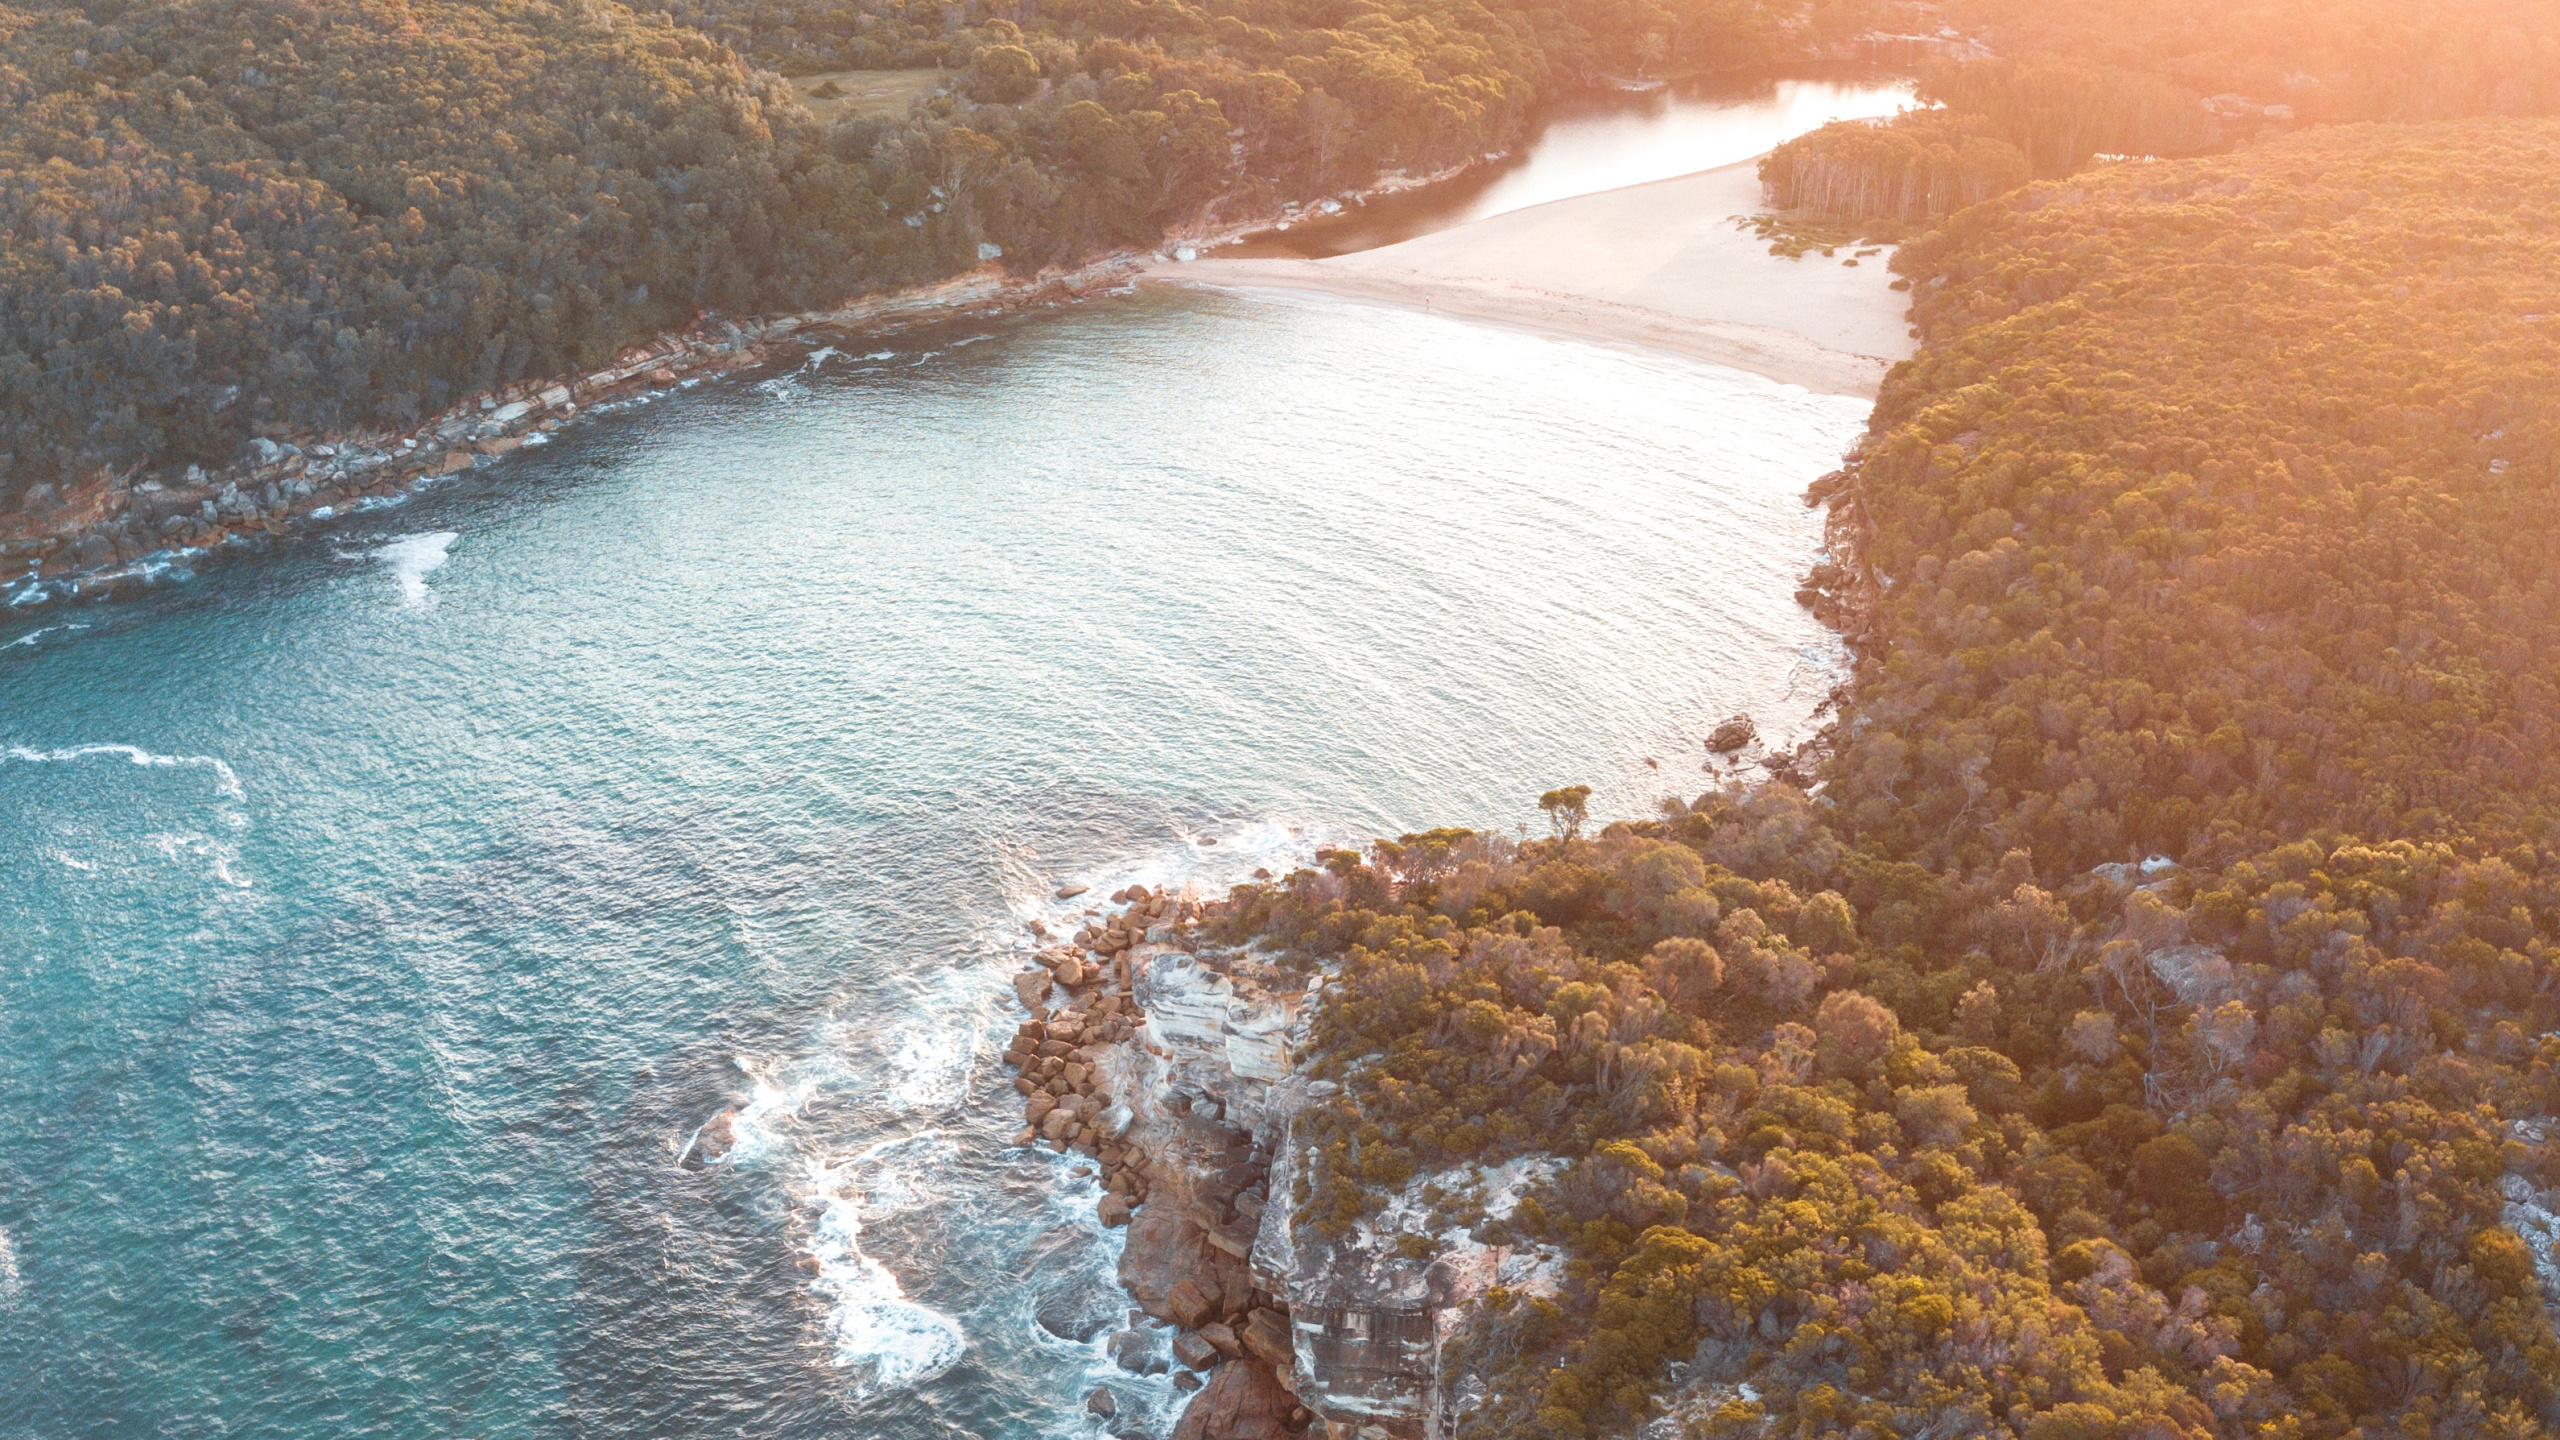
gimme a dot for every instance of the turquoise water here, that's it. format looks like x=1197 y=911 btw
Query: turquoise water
x=468 y=855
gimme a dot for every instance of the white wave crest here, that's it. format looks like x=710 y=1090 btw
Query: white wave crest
x=778 y=1093
x=33 y=637
x=12 y=1284
x=887 y=1341
x=410 y=558
x=933 y=1064
x=1206 y=864
x=229 y=782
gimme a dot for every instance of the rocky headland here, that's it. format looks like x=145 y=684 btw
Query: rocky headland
x=1175 y=1064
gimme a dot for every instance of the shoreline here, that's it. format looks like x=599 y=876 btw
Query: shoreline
x=238 y=506
x=1115 y=1010
x=92 y=544
x=1657 y=266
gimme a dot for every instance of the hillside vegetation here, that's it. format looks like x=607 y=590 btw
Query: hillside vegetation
x=2180 y=78
x=221 y=218
x=2149 y=1030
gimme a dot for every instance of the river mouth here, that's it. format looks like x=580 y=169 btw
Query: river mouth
x=389 y=913
x=1597 y=142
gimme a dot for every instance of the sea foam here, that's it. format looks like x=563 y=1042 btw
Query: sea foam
x=228 y=781
x=410 y=558
x=883 y=1339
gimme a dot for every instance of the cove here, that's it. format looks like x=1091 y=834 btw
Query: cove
x=463 y=861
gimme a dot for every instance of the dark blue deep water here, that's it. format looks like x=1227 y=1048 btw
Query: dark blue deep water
x=380 y=916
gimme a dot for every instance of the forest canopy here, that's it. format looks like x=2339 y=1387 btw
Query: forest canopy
x=2063 y=84
x=2152 y=1027
x=221 y=218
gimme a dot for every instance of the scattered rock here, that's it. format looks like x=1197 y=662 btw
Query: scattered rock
x=1241 y=1402
x=1732 y=735
x=1102 y=1402
x=1032 y=986
x=1266 y=1338
x=1079 y=1309
x=1185 y=1381
x=1130 y=1351
x=715 y=1139
x=1191 y=1306
x=1069 y=892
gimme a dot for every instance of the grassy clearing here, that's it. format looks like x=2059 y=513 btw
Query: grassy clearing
x=854 y=94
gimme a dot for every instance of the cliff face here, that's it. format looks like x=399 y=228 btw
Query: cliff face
x=1176 y=1068
x=1352 y=1329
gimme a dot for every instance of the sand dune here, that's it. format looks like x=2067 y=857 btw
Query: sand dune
x=1661 y=266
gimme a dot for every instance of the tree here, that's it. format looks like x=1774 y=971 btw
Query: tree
x=1566 y=809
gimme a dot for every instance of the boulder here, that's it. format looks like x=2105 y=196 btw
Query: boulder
x=1266 y=1338
x=1224 y=1338
x=1192 y=1306
x=1195 y=1351
x=1130 y=1350
x=1185 y=1381
x=1069 y=892
x=1732 y=735
x=554 y=398
x=1079 y=1309
x=715 y=1138
x=455 y=461
x=1070 y=973
x=1114 y=1211
x=1032 y=986
x=1242 y=1401
x=1101 y=1402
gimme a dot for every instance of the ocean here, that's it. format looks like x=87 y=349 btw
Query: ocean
x=383 y=915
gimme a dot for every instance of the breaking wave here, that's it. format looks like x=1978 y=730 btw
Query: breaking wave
x=228 y=781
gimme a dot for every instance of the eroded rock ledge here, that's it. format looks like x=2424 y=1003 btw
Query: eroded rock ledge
x=1173 y=1065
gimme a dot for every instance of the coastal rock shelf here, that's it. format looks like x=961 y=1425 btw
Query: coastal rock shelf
x=1122 y=1060
x=1172 y=1065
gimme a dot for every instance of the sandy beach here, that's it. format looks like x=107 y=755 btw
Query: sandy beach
x=1661 y=266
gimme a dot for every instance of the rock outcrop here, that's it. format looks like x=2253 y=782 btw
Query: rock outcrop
x=1174 y=1065
x=1148 y=1093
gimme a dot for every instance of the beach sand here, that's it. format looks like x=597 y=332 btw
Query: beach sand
x=1661 y=266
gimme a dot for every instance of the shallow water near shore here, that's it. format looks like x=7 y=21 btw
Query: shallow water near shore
x=1600 y=142
x=383 y=917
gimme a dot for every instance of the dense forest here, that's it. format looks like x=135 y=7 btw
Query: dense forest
x=2148 y=1024
x=221 y=218
x=2146 y=78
